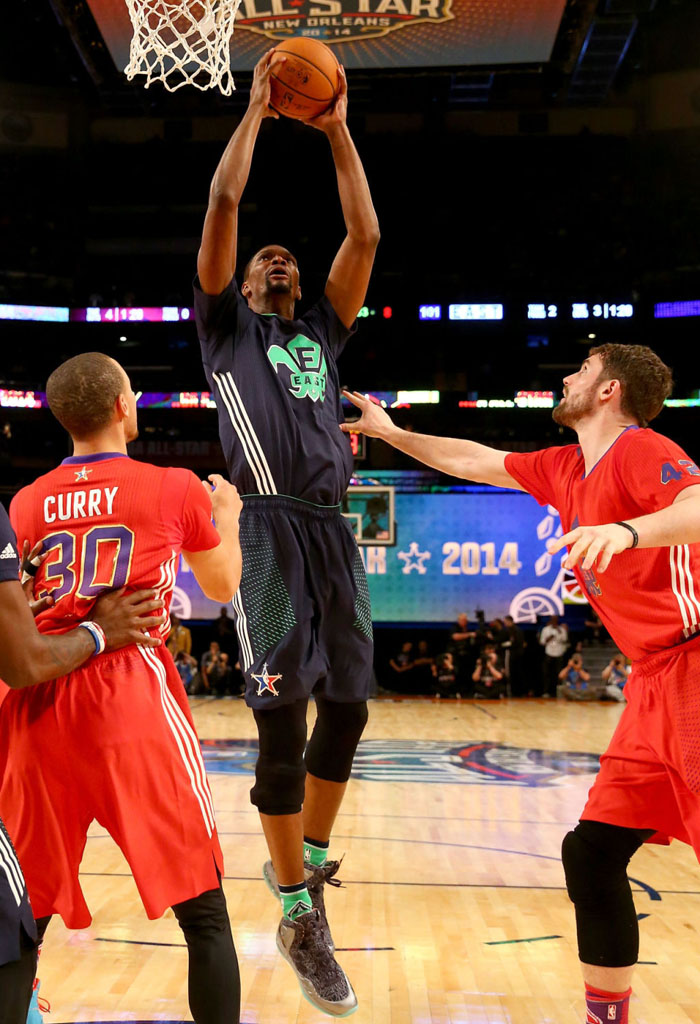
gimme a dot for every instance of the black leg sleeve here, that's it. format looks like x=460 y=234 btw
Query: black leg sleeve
x=595 y=857
x=16 y=980
x=214 y=983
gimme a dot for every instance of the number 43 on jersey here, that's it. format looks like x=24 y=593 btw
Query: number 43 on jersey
x=669 y=471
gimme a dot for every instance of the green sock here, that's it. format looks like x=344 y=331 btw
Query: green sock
x=295 y=900
x=315 y=852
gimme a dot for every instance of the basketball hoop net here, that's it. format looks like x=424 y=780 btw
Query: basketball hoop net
x=182 y=42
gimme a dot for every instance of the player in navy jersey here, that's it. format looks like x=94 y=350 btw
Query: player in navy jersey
x=629 y=502
x=302 y=610
x=27 y=658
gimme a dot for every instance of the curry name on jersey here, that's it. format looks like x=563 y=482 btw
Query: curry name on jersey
x=108 y=522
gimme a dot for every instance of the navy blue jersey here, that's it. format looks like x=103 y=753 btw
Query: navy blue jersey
x=14 y=905
x=9 y=559
x=278 y=396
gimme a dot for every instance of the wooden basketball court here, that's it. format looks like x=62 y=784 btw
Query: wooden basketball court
x=455 y=910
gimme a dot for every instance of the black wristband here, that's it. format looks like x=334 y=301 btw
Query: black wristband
x=634 y=533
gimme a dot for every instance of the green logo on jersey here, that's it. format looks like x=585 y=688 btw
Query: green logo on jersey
x=307 y=365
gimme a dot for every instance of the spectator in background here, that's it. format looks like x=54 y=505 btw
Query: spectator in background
x=499 y=633
x=614 y=675
x=514 y=656
x=595 y=631
x=488 y=676
x=483 y=630
x=575 y=680
x=555 y=640
x=220 y=675
x=189 y=670
x=179 y=638
x=423 y=668
x=462 y=647
x=226 y=631
x=209 y=658
x=444 y=675
x=403 y=662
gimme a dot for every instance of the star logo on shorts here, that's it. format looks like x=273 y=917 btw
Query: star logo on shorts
x=266 y=682
x=81 y=474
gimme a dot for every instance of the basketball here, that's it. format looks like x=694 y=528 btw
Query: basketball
x=307 y=82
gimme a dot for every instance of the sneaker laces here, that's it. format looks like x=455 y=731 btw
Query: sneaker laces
x=328 y=871
x=43 y=1004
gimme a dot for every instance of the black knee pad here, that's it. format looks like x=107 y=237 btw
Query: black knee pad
x=280 y=772
x=595 y=858
x=335 y=737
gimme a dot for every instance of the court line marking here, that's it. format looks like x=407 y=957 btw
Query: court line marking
x=400 y=817
x=413 y=842
x=426 y=885
x=139 y=942
x=512 y=942
x=183 y=945
x=478 y=707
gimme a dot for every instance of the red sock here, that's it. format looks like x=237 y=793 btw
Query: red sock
x=602 y=1007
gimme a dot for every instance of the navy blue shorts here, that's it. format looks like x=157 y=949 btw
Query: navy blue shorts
x=302 y=610
x=15 y=911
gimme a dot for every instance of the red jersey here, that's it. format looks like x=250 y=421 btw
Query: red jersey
x=648 y=599
x=109 y=522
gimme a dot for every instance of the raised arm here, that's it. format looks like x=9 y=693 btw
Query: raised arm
x=460 y=458
x=347 y=283
x=216 y=261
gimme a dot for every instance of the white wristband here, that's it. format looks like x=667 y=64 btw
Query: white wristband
x=97 y=633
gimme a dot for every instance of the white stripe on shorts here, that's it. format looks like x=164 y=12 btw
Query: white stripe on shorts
x=186 y=741
x=242 y=630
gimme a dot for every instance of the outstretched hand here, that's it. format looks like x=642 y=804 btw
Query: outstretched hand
x=260 y=89
x=373 y=422
x=593 y=545
x=337 y=112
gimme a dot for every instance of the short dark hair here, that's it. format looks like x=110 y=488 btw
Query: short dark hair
x=246 y=269
x=646 y=380
x=82 y=391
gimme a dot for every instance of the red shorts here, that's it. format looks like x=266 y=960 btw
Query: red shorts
x=650 y=773
x=113 y=741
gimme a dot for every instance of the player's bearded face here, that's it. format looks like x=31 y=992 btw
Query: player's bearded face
x=577 y=404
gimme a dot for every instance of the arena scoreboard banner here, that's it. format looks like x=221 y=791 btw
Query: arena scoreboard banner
x=485 y=548
x=378 y=33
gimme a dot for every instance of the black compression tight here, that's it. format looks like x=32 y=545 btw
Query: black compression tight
x=214 y=983
x=16 y=979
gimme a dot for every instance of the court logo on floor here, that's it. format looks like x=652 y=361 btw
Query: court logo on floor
x=470 y=763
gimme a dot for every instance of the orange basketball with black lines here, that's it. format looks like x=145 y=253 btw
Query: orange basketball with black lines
x=307 y=82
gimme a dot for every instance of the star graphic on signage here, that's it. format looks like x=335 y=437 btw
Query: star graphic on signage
x=81 y=474
x=413 y=559
x=296 y=3
x=266 y=682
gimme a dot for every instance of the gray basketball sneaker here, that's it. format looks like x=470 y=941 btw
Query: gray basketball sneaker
x=323 y=981
x=315 y=879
